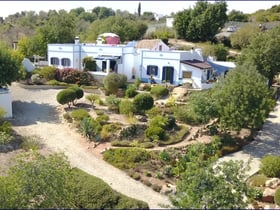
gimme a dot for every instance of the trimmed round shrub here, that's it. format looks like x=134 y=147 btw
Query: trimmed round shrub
x=277 y=197
x=79 y=92
x=159 y=91
x=270 y=166
x=143 y=101
x=66 y=96
x=126 y=107
x=131 y=91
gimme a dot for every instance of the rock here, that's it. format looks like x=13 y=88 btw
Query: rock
x=167 y=189
x=141 y=118
x=268 y=195
x=272 y=183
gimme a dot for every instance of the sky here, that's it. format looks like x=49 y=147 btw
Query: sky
x=159 y=7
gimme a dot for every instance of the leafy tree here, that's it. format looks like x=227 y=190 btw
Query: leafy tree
x=29 y=183
x=202 y=22
x=59 y=28
x=235 y=15
x=126 y=28
x=264 y=52
x=218 y=50
x=103 y=12
x=241 y=38
x=9 y=68
x=205 y=184
x=243 y=99
x=139 y=9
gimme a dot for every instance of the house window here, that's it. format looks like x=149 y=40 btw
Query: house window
x=65 y=62
x=160 y=47
x=187 y=74
x=54 y=61
x=152 y=70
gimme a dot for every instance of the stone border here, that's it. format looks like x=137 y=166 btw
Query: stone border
x=44 y=87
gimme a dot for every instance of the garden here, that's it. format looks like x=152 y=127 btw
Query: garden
x=142 y=123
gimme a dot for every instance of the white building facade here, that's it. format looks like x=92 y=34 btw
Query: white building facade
x=174 y=67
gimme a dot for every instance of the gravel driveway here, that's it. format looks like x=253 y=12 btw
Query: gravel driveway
x=36 y=112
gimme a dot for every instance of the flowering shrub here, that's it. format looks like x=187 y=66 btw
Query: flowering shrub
x=73 y=76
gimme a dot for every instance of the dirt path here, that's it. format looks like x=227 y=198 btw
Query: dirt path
x=36 y=112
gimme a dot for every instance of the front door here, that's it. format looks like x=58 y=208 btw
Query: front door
x=168 y=74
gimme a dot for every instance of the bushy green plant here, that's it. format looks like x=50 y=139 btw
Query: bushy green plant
x=158 y=121
x=270 y=166
x=129 y=131
x=79 y=114
x=89 y=64
x=79 y=91
x=130 y=92
x=113 y=82
x=47 y=72
x=277 y=197
x=127 y=107
x=137 y=83
x=113 y=103
x=30 y=142
x=93 y=193
x=155 y=133
x=159 y=91
x=124 y=158
x=6 y=127
x=5 y=138
x=258 y=180
x=143 y=101
x=102 y=119
x=92 y=98
x=90 y=128
x=109 y=130
x=66 y=96
x=154 y=111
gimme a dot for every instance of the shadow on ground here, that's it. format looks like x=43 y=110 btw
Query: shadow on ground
x=29 y=113
x=266 y=142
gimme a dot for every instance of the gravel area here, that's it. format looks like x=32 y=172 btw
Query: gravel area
x=36 y=112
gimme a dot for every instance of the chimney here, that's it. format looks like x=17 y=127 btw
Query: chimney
x=77 y=40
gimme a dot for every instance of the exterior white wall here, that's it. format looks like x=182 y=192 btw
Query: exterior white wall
x=196 y=76
x=160 y=59
x=6 y=102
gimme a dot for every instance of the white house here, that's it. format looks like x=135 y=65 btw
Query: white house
x=137 y=60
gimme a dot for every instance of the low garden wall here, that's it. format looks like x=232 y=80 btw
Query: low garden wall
x=6 y=102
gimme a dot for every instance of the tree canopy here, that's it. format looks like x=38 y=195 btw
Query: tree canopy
x=203 y=184
x=202 y=22
x=9 y=66
x=264 y=52
x=243 y=98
